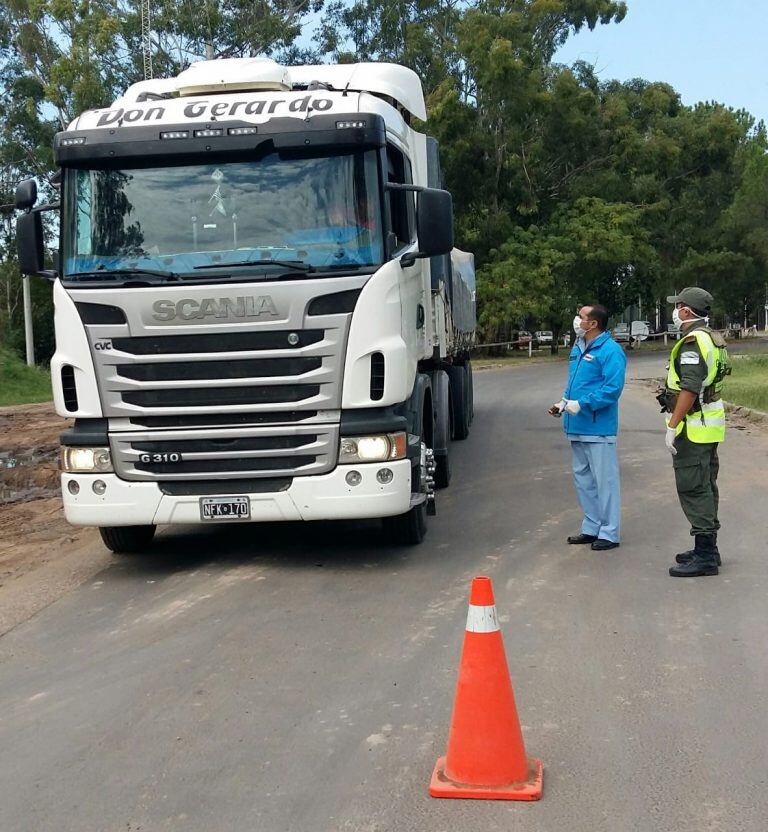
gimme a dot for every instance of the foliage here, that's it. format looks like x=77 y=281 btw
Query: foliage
x=20 y=384
x=748 y=384
x=565 y=187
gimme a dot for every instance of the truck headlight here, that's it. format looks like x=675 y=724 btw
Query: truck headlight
x=86 y=460
x=378 y=448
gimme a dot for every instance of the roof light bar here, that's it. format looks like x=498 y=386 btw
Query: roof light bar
x=346 y=125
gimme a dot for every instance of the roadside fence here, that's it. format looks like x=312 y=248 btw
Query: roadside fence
x=528 y=343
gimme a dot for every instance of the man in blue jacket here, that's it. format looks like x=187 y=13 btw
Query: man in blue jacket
x=591 y=409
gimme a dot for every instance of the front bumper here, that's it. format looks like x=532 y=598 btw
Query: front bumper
x=322 y=497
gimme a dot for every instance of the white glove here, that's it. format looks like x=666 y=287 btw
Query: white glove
x=669 y=440
x=560 y=405
x=572 y=407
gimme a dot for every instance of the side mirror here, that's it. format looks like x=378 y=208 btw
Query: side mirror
x=29 y=242
x=434 y=222
x=26 y=195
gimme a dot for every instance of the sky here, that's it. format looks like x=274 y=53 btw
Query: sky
x=708 y=50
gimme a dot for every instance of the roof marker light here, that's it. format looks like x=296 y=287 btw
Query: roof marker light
x=242 y=131
x=175 y=134
x=209 y=132
x=346 y=125
x=73 y=141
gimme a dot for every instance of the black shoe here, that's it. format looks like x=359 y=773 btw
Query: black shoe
x=695 y=568
x=601 y=545
x=687 y=557
x=582 y=538
x=703 y=562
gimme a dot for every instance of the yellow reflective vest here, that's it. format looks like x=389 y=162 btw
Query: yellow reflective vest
x=705 y=422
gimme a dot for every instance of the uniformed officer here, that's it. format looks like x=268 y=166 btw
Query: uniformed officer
x=696 y=426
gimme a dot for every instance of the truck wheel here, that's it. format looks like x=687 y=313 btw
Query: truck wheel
x=126 y=540
x=458 y=376
x=407 y=529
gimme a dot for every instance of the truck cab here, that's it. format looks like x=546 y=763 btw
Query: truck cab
x=259 y=311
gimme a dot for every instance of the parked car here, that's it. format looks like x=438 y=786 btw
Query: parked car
x=523 y=339
x=621 y=333
x=543 y=336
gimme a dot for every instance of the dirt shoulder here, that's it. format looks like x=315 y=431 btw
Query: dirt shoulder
x=41 y=556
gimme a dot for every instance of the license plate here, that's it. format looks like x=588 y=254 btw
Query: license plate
x=225 y=508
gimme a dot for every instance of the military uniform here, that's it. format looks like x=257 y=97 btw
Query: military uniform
x=696 y=464
x=698 y=364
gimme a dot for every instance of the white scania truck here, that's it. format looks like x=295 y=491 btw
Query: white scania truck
x=259 y=311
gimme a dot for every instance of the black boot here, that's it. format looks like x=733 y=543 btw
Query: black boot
x=687 y=557
x=703 y=562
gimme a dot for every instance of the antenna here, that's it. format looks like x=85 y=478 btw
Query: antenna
x=146 y=39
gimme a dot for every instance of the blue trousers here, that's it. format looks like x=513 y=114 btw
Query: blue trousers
x=596 y=477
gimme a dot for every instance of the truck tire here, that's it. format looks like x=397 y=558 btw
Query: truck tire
x=127 y=540
x=407 y=529
x=410 y=528
x=470 y=392
x=441 y=394
x=459 y=401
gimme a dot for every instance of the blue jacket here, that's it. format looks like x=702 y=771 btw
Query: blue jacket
x=595 y=380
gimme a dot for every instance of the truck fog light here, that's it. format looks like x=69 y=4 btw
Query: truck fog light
x=99 y=487
x=73 y=487
x=354 y=478
x=384 y=475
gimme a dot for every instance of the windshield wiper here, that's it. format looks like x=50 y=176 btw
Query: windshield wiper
x=298 y=265
x=120 y=272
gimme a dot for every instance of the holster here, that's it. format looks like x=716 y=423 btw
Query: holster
x=667 y=399
x=662 y=397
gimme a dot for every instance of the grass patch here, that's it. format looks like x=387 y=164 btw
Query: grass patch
x=748 y=383
x=480 y=362
x=20 y=384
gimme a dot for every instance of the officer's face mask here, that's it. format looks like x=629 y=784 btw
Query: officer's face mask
x=678 y=321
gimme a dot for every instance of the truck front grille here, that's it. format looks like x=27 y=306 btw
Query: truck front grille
x=253 y=368
x=225 y=374
x=225 y=419
x=222 y=396
x=223 y=342
x=236 y=453
x=214 y=370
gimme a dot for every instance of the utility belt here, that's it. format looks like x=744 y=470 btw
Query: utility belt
x=667 y=398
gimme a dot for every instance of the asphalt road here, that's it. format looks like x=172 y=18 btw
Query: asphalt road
x=301 y=678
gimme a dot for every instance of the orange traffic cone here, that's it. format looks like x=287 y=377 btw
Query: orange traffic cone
x=486 y=755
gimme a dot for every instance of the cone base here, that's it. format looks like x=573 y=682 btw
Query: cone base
x=441 y=786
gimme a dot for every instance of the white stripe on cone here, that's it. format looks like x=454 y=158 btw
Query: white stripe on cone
x=482 y=619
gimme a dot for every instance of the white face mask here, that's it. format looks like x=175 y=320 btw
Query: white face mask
x=678 y=321
x=577 y=328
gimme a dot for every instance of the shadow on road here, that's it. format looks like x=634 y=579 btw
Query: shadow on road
x=330 y=544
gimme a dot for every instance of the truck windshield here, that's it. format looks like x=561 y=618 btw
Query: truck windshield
x=322 y=211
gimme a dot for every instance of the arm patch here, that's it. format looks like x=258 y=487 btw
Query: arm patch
x=691 y=357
